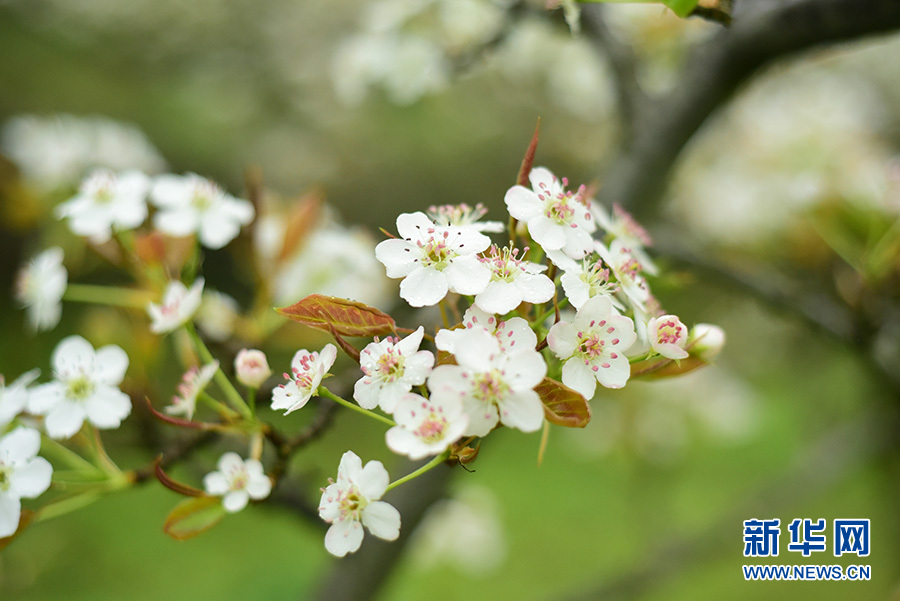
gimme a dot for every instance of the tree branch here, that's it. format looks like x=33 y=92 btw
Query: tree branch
x=716 y=69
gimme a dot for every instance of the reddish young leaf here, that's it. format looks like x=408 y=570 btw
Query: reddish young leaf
x=345 y=317
x=300 y=222
x=194 y=516
x=661 y=367
x=562 y=405
x=165 y=480
x=528 y=159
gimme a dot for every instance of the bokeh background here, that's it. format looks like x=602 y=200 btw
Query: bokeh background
x=791 y=189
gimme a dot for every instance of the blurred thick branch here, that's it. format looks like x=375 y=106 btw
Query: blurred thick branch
x=758 y=36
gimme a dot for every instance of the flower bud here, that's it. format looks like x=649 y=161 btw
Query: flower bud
x=251 y=367
x=668 y=336
x=706 y=340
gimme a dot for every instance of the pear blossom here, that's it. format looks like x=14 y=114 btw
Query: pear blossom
x=353 y=502
x=426 y=427
x=237 y=481
x=251 y=367
x=706 y=340
x=307 y=369
x=107 y=201
x=40 y=286
x=667 y=336
x=494 y=386
x=586 y=280
x=192 y=384
x=14 y=398
x=512 y=334
x=192 y=204
x=593 y=347
x=434 y=260
x=391 y=368
x=217 y=315
x=178 y=306
x=22 y=475
x=85 y=388
x=627 y=231
x=513 y=281
x=464 y=216
x=628 y=272
x=556 y=219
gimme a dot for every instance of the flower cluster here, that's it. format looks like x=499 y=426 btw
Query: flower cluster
x=532 y=321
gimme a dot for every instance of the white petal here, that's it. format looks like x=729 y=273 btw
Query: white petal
x=546 y=232
x=110 y=364
x=65 y=420
x=413 y=225
x=344 y=536
x=541 y=177
x=482 y=417
x=613 y=373
x=230 y=463
x=177 y=222
x=350 y=467
x=536 y=288
x=218 y=229
x=215 y=483
x=259 y=487
x=499 y=297
x=398 y=257
x=467 y=275
x=45 y=397
x=107 y=407
x=32 y=479
x=417 y=367
x=10 y=511
x=410 y=344
x=73 y=354
x=522 y=410
x=366 y=393
x=20 y=445
x=424 y=287
x=235 y=500
x=561 y=339
x=373 y=480
x=382 y=519
x=579 y=377
x=524 y=369
x=522 y=203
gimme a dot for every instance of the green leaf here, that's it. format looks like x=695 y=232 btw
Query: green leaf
x=194 y=516
x=341 y=316
x=562 y=405
x=682 y=8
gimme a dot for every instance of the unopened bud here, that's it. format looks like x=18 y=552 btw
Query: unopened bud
x=706 y=340
x=251 y=367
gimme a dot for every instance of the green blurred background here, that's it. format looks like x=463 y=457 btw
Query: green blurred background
x=647 y=502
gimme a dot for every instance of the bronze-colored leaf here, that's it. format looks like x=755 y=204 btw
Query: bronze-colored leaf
x=173 y=485
x=528 y=159
x=345 y=317
x=194 y=516
x=562 y=405
x=303 y=218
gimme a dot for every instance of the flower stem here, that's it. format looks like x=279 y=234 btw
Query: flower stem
x=234 y=397
x=107 y=295
x=251 y=399
x=67 y=455
x=327 y=393
x=436 y=461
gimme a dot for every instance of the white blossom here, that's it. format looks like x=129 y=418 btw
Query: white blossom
x=593 y=347
x=353 y=502
x=14 y=398
x=628 y=271
x=668 y=336
x=22 y=475
x=511 y=335
x=557 y=219
x=237 y=481
x=178 y=306
x=217 y=315
x=586 y=279
x=513 y=281
x=86 y=387
x=493 y=385
x=191 y=204
x=464 y=216
x=251 y=367
x=40 y=286
x=706 y=340
x=391 y=368
x=627 y=231
x=192 y=384
x=107 y=201
x=426 y=427
x=307 y=371
x=433 y=260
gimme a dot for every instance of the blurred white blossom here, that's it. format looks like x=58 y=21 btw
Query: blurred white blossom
x=40 y=286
